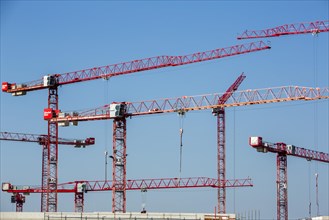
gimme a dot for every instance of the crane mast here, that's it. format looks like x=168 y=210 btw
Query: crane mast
x=288 y=29
x=283 y=150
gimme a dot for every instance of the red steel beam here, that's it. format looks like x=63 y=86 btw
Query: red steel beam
x=282 y=186
x=119 y=165
x=136 y=66
x=288 y=29
x=42 y=138
x=289 y=150
x=138 y=184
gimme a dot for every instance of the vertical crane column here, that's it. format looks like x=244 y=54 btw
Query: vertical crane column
x=44 y=177
x=19 y=199
x=19 y=207
x=78 y=201
x=119 y=165
x=221 y=142
x=52 y=152
x=221 y=170
x=80 y=189
x=282 y=186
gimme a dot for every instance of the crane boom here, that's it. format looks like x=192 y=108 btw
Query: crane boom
x=42 y=139
x=84 y=186
x=191 y=103
x=223 y=99
x=138 y=184
x=289 y=150
x=288 y=29
x=131 y=67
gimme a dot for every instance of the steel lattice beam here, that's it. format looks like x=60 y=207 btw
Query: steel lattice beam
x=282 y=187
x=42 y=139
x=52 y=156
x=202 y=102
x=78 y=202
x=44 y=177
x=149 y=184
x=137 y=184
x=137 y=66
x=119 y=165
x=221 y=160
x=288 y=29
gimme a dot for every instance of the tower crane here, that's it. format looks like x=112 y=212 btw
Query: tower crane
x=221 y=143
x=84 y=186
x=41 y=139
x=288 y=29
x=119 y=111
x=283 y=150
x=119 y=149
x=53 y=81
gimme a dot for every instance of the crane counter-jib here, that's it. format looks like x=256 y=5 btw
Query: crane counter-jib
x=129 y=67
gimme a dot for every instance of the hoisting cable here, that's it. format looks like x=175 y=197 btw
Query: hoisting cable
x=181 y=115
x=315 y=69
x=317 y=194
x=106 y=127
x=234 y=156
x=309 y=190
x=143 y=191
x=315 y=119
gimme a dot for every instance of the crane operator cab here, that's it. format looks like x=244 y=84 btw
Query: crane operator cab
x=117 y=109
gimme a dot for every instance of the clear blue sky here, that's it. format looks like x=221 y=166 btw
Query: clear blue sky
x=39 y=38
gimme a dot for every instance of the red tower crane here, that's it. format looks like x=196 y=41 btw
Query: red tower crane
x=51 y=82
x=84 y=186
x=283 y=150
x=119 y=111
x=221 y=143
x=43 y=141
x=119 y=150
x=288 y=29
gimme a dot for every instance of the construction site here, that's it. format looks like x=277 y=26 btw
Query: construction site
x=198 y=134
